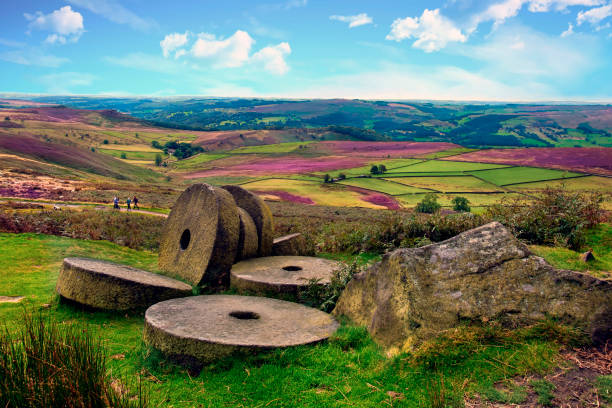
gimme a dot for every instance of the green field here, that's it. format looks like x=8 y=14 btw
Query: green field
x=390 y=164
x=448 y=184
x=445 y=166
x=271 y=148
x=381 y=185
x=475 y=199
x=192 y=163
x=130 y=154
x=513 y=175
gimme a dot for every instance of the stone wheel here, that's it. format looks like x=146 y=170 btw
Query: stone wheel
x=200 y=237
x=248 y=241
x=110 y=286
x=281 y=274
x=259 y=212
x=210 y=327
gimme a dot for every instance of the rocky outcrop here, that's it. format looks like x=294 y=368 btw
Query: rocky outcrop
x=479 y=275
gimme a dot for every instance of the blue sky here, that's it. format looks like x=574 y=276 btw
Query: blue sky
x=513 y=50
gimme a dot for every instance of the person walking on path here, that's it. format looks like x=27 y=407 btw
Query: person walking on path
x=135 y=201
x=116 y=203
x=128 y=201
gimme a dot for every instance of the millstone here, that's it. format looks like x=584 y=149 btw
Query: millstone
x=281 y=274
x=248 y=242
x=292 y=244
x=200 y=236
x=261 y=214
x=207 y=328
x=110 y=286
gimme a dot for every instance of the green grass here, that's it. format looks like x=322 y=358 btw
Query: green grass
x=448 y=184
x=446 y=165
x=350 y=369
x=598 y=238
x=381 y=185
x=192 y=163
x=391 y=164
x=271 y=148
x=449 y=152
x=130 y=155
x=513 y=175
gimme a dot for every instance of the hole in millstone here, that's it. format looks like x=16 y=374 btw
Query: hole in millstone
x=242 y=315
x=292 y=268
x=185 y=239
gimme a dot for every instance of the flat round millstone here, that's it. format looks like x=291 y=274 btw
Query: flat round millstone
x=200 y=237
x=248 y=242
x=292 y=244
x=110 y=286
x=261 y=214
x=210 y=327
x=281 y=274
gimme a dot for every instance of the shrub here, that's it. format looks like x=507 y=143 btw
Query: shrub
x=341 y=176
x=374 y=169
x=556 y=217
x=105 y=141
x=50 y=365
x=326 y=178
x=429 y=204
x=158 y=159
x=123 y=156
x=461 y=204
x=325 y=297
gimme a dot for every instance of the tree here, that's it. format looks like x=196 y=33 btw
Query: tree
x=93 y=149
x=7 y=118
x=341 y=176
x=461 y=204
x=156 y=144
x=123 y=156
x=158 y=159
x=375 y=170
x=382 y=168
x=326 y=178
x=429 y=204
x=105 y=141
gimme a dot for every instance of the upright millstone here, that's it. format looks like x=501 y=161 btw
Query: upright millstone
x=248 y=241
x=200 y=238
x=259 y=212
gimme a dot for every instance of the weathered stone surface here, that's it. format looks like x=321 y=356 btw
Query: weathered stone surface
x=207 y=328
x=281 y=274
x=484 y=273
x=292 y=244
x=110 y=286
x=200 y=237
x=248 y=241
x=587 y=256
x=259 y=212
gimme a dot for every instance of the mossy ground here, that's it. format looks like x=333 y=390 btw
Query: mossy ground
x=350 y=369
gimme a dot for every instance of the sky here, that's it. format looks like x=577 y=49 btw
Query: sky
x=465 y=50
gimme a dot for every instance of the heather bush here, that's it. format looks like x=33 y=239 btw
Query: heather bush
x=555 y=217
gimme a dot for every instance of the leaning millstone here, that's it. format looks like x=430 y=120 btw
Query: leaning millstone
x=479 y=275
x=282 y=274
x=206 y=328
x=261 y=214
x=292 y=244
x=248 y=242
x=200 y=237
x=110 y=286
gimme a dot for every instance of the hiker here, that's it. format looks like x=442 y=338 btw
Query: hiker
x=135 y=201
x=128 y=201
x=116 y=203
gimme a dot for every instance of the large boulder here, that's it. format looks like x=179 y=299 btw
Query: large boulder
x=479 y=275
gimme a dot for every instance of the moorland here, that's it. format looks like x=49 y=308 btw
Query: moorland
x=349 y=175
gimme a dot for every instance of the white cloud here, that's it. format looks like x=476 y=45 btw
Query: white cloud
x=64 y=82
x=569 y=31
x=115 y=12
x=64 y=23
x=594 y=15
x=273 y=58
x=505 y=9
x=519 y=52
x=432 y=31
x=231 y=52
x=33 y=56
x=354 y=21
x=172 y=42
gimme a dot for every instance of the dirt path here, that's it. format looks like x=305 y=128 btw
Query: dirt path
x=59 y=206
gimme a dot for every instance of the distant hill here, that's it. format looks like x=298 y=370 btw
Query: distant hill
x=471 y=125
